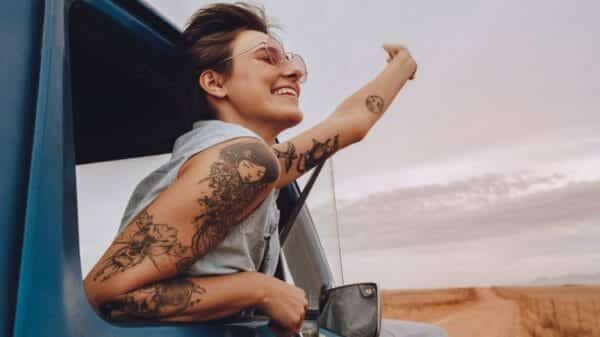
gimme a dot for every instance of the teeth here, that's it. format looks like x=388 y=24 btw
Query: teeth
x=285 y=91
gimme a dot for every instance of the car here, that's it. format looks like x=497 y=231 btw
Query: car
x=89 y=81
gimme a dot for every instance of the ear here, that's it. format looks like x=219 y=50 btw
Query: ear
x=212 y=82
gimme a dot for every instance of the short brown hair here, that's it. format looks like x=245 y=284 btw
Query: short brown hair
x=207 y=40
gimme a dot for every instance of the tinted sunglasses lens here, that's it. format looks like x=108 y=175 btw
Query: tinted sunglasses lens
x=275 y=55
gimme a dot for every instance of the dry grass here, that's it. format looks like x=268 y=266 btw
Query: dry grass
x=557 y=311
x=425 y=305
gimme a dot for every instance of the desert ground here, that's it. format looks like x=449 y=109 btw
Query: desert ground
x=548 y=311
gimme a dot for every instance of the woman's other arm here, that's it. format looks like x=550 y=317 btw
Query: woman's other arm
x=350 y=122
x=199 y=299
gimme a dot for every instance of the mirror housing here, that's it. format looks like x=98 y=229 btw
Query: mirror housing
x=352 y=310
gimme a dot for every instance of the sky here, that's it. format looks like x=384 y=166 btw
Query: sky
x=484 y=170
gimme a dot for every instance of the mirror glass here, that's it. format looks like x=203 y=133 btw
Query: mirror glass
x=351 y=310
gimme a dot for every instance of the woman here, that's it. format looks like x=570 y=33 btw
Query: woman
x=192 y=246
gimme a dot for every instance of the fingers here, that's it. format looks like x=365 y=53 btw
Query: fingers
x=302 y=316
x=394 y=50
x=412 y=77
x=305 y=308
x=287 y=309
x=301 y=321
x=390 y=55
x=302 y=312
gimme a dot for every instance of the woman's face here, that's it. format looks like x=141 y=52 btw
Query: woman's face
x=253 y=80
x=250 y=172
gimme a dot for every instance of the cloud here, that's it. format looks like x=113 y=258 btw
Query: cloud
x=488 y=205
x=468 y=228
x=578 y=158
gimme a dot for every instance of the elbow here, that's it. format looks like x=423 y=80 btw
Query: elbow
x=356 y=133
x=92 y=295
x=105 y=306
x=98 y=295
x=353 y=125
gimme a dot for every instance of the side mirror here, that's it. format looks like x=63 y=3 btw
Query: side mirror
x=352 y=310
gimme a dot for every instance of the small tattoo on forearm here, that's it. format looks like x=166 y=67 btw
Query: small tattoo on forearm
x=375 y=104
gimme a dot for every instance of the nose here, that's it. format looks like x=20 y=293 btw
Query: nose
x=293 y=70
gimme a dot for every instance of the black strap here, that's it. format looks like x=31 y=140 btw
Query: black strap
x=284 y=231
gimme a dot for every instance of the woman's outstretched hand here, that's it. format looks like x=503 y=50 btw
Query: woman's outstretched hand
x=400 y=52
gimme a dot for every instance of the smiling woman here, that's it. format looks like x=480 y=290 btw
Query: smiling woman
x=109 y=62
x=198 y=239
x=200 y=225
x=224 y=42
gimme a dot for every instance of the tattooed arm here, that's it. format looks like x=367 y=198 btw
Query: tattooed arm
x=348 y=124
x=186 y=299
x=199 y=299
x=215 y=191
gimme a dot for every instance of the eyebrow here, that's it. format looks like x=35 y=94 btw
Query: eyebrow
x=268 y=47
x=280 y=46
x=270 y=44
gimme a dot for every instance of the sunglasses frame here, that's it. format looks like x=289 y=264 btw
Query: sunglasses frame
x=288 y=57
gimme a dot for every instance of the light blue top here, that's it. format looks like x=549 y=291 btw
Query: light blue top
x=246 y=244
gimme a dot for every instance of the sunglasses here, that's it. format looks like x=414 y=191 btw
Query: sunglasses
x=277 y=57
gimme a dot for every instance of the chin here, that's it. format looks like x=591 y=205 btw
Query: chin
x=283 y=116
x=293 y=118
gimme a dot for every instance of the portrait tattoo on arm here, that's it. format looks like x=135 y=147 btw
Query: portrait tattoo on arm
x=374 y=104
x=149 y=241
x=167 y=298
x=243 y=172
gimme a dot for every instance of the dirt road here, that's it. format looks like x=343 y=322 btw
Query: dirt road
x=491 y=316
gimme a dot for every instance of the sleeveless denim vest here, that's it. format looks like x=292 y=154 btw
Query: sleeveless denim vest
x=253 y=244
